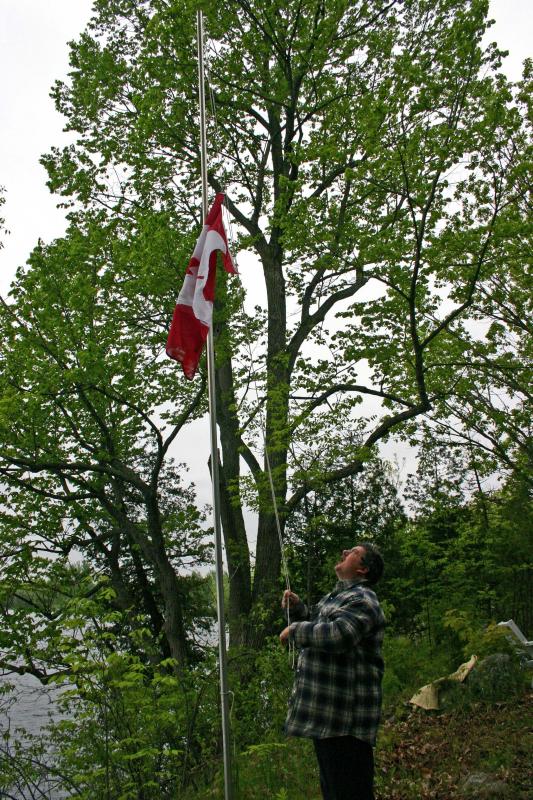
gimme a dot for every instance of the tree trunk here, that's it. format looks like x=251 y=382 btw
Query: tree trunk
x=235 y=538
x=267 y=587
x=153 y=547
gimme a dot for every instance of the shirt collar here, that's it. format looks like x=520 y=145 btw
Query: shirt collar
x=342 y=585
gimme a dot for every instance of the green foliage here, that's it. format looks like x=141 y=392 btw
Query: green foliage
x=480 y=641
x=264 y=681
x=135 y=732
x=131 y=727
x=128 y=728
x=280 y=770
x=410 y=662
x=377 y=165
x=85 y=426
x=331 y=518
x=465 y=549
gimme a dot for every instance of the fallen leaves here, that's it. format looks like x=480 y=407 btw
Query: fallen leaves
x=427 y=756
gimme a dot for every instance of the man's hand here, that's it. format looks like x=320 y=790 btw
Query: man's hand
x=289 y=599
x=284 y=635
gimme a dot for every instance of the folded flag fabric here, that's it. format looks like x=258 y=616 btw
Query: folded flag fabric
x=194 y=310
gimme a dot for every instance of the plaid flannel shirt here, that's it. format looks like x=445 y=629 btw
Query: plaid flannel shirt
x=337 y=686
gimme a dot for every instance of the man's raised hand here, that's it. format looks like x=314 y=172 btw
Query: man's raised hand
x=289 y=599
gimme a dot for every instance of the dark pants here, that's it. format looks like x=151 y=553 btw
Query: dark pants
x=346 y=768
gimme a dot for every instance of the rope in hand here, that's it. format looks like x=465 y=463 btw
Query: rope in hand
x=284 y=565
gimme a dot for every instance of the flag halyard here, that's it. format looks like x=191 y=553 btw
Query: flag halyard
x=194 y=309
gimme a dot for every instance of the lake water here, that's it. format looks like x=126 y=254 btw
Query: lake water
x=30 y=706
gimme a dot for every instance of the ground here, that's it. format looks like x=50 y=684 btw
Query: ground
x=428 y=755
x=420 y=756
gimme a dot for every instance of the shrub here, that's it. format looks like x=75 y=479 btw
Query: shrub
x=475 y=637
x=409 y=664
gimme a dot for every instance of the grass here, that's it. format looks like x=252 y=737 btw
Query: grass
x=420 y=756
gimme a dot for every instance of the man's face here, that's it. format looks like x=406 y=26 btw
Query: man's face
x=350 y=567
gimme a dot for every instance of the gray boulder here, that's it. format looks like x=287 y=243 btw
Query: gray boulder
x=483 y=786
x=496 y=679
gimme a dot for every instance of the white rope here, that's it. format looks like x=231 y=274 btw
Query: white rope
x=284 y=565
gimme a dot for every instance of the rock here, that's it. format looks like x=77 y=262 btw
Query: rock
x=484 y=786
x=497 y=678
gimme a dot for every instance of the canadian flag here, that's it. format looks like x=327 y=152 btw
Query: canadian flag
x=194 y=310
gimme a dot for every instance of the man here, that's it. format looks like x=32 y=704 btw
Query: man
x=336 y=698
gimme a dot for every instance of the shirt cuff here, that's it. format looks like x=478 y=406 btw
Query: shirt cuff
x=299 y=633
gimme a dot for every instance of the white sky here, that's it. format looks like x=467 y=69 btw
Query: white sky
x=34 y=53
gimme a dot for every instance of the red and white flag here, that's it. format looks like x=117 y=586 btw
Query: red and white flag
x=194 y=310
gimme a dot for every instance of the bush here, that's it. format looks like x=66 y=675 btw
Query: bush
x=409 y=664
x=475 y=637
x=131 y=728
x=261 y=682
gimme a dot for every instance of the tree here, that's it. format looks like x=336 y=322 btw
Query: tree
x=463 y=555
x=365 y=507
x=342 y=129
x=83 y=455
x=490 y=407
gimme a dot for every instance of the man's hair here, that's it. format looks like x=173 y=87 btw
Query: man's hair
x=373 y=561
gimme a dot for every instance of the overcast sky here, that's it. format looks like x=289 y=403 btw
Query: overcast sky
x=34 y=53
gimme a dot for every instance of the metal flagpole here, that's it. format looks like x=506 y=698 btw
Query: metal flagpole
x=224 y=694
